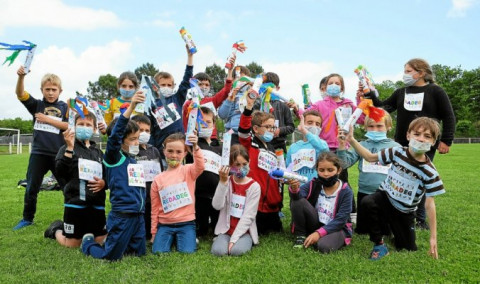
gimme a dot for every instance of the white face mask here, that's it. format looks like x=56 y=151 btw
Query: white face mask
x=419 y=147
x=166 y=91
x=206 y=92
x=133 y=150
x=144 y=137
x=205 y=132
x=315 y=130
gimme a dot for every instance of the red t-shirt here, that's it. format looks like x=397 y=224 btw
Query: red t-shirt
x=238 y=189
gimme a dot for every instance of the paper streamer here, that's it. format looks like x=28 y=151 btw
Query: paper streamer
x=227 y=140
x=238 y=46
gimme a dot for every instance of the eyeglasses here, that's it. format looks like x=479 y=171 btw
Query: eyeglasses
x=269 y=128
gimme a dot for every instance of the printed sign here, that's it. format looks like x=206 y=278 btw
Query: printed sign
x=375 y=167
x=151 y=168
x=87 y=169
x=136 y=175
x=162 y=117
x=212 y=161
x=413 y=102
x=266 y=160
x=303 y=158
x=42 y=126
x=175 y=196
x=237 y=205
x=401 y=186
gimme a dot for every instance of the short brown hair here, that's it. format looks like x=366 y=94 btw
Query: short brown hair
x=178 y=136
x=421 y=65
x=271 y=77
x=259 y=117
x=162 y=75
x=243 y=70
x=130 y=76
x=51 y=78
x=311 y=112
x=331 y=157
x=207 y=110
x=90 y=115
x=238 y=150
x=386 y=118
x=426 y=123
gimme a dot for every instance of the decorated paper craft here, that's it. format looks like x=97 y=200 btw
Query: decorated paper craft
x=242 y=81
x=188 y=40
x=98 y=112
x=136 y=175
x=146 y=88
x=194 y=116
x=17 y=48
x=227 y=139
x=365 y=78
x=175 y=196
x=240 y=46
x=77 y=105
x=156 y=88
x=278 y=173
x=212 y=161
x=88 y=169
x=365 y=106
x=306 y=96
x=104 y=106
x=267 y=161
x=303 y=158
x=267 y=94
x=339 y=117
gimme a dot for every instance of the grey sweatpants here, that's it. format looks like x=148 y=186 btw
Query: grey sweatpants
x=305 y=222
x=220 y=245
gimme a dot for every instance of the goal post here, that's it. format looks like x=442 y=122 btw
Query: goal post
x=18 y=137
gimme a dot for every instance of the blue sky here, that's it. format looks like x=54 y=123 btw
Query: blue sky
x=300 y=40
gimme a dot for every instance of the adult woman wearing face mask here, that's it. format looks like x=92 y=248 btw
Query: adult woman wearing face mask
x=420 y=97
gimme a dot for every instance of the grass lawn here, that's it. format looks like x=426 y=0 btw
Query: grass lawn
x=25 y=256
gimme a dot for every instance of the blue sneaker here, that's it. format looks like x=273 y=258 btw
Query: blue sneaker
x=378 y=252
x=23 y=223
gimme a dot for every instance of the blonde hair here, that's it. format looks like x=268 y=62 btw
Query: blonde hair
x=421 y=65
x=386 y=118
x=426 y=123
x=52 y=79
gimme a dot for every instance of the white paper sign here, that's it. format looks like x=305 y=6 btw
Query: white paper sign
x=175 y=196
x=151 y=168
x=41 y=126
x=413 y=102
x=346 y=112
x=136 y=175
x=266 y=160
x=87 y=169
x=401 y=187
x=162 y=117
x=212 y=161
x=375 y=167
x=237 y=205
x=303 y=158
x=325 y=207
x=227 y=139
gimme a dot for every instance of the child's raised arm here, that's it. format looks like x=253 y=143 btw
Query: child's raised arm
x=362 y=151
x=20 y=89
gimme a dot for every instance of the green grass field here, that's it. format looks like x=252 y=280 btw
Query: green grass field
x=27 y=257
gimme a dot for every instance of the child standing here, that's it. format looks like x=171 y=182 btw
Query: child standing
x=150 y=158
x=321 y=208
x=262 y=161
x=237 y=199
x=411 y=176
x=371 y=174
x=84 y=198
x=206 y=215
x=127 y=85
x=304 y=153
x=173 y=197
x=49 y=116
x=125 y=178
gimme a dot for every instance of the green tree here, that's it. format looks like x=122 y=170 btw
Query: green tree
x=147 y=69
x=103 y=89
x=218 y=75
x=254 y=68
x=25 y=126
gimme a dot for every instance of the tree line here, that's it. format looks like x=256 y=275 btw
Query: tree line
x=462 y=87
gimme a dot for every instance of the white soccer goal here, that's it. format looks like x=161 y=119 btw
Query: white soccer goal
x=7 y=139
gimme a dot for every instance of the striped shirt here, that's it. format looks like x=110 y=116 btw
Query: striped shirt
x=408 y=179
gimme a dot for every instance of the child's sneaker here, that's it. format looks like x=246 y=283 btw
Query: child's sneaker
x=53 y=228
x=378 y=252
x=299 y=241
x=23 y=223
x=87 y=238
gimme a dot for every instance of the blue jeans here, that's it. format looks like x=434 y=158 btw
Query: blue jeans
x=184 y=233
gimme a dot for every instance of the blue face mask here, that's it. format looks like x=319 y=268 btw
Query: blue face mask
x=333 y=90
x=83 y=133
x=126 y=93
x=267 y=136
x=376 y=135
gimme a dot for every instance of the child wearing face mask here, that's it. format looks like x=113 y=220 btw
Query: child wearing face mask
x=127 y=85
x=126 y=180
x=150 y=158
x=166 y=122
x=209 y=100
x=262 y=160
x=237 y=198
x=84 y=203
x=371 y=174
x=206 y=216
x=173 y=196
x=321 y=208
x=301 y=155
x=411 y=176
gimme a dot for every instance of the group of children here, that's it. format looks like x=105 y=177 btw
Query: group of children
x=157 y=196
